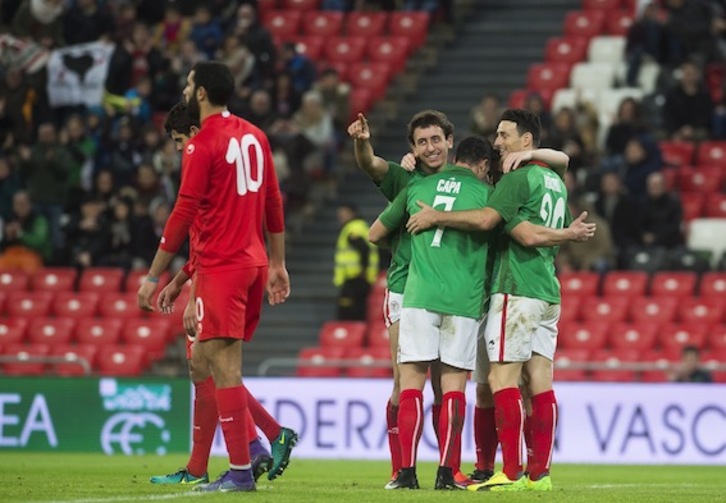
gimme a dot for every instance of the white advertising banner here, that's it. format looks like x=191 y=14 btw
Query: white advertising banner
x=598 y=422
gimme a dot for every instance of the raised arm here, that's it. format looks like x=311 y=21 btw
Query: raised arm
x=374 y=166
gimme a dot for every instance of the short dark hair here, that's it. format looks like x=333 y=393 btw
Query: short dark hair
x=474 y=149
x=179 y=120
x=526 y=122
x=690 y=348
x=427 y=118
x=216 y=78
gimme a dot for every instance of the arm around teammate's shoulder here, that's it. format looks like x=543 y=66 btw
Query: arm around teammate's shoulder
x=535 y=236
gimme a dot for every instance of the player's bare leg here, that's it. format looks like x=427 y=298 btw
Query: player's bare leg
x=394 y=443
x=453 y=384
x=543 y=422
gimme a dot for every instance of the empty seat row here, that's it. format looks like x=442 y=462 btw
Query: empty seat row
x=683 y=153
x=639 y=283
x=617 y=308
x=67 y=279
x=361 y=362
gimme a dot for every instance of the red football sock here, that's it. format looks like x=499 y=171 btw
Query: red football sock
x=269 y=426
x=410 y=425
x=544 y=424
x=251 y=429
x=232 y=404
x=450 y=425
x=510 y=418
x=435 y=418
x=394 y=443
x=528 y=444
x=485 y=438
x=205 y=424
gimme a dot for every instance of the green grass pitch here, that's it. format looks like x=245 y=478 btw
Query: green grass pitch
x=95 y=478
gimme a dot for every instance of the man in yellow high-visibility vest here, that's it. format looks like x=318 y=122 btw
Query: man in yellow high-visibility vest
x=356 y=264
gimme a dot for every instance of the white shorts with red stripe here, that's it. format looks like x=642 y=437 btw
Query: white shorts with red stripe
x=516 y=327
x=392 y=305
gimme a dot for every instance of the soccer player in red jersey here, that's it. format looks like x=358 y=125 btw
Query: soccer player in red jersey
x=229 y=183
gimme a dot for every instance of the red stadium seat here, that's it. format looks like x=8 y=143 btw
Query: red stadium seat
x=608 y=309
x=13 y=281
x=345 y=49
x=311 y=46
x=73 y=353
x=619 y=22
x=607 y=5
x=707 y=310
x=264 y=6
x=569 y=308
x=391 y=50
x=13 y=330
x=564 y=358
x=566 y=50
x=702 y=179
x=150 y=334
x=28 y=304
x=716 y=338
x=121 y=361
x=3 y=298
x=710 y=361
x=134 y=279
x=322 y=23
x=589 y=336
x=638 y=336
x=23 y=352
x=673 y=284
x=551 y=76
x=98 y=331
x=75 y=305
x=653 y=309
x=282 y=24
x=625 y=283
x=662 y=361
x=518 y=98
x=671 y=177
x=338 y=66
x=119 y=305
x=711 y=153
x=377 y=335
x=412 y=25
x=693 y=204
x=345 y=334
x=300 y=4
x=51 y=331
x=677 y=153
x=101 y=279
x=715 y=206
x=614 y=359
x=371 y=76
x=367 y=357
x=365 y=24
x=55 y=279
x=315 y=360
x=672 y=337
x=579 y=283
x=359 y=102
x=713 y=284
x=584 y=23
x=376 y=306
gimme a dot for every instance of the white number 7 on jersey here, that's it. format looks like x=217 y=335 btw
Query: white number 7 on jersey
x=448 y=204
x=238 y=153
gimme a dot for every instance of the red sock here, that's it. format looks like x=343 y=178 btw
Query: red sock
x=232 y=404
x=510 y=418
x=251 y=429
x=544 y=423
x=394 y=444
x=262 y=418
x=528 y=444
x=435 y=418
x=410 y=425
x=485 y=438
x=450 y=425
x=205 y=424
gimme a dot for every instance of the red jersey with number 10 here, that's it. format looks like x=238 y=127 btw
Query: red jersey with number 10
x=229 y=184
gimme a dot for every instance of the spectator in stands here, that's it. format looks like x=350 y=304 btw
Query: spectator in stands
x=648 y=37
x=40 y=20
x=20 y=98
x=596 y=254
x=689 y=369
x=621 y=212
x=169 y=34
x=662 y=215
x=315 y=124
x=167 y=162
x=82 y=151
x=9 y=185
x=286 y=98
x=298 y=66
x=564 y=135
x=123 y=154
x=627 y=125
x=7 y=125
x=138 y=101
x=536 y=104
x=256 y=37
x=260 y=112
x=484 y=117
x=688 y=109
x=183 y=62
x=121 y=245
x=336 y=99
x=690 y=22
x=149 y=187
x=642 y=157
x=241 y=63
x=88 y=233
x=25 y=240
x=206 y=32
x=86 y=21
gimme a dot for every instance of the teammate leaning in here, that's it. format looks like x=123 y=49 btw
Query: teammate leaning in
x=229 y=183
x=181 y=127
x=521 y=329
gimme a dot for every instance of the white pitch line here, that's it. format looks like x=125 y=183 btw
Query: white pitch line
x=115 y=499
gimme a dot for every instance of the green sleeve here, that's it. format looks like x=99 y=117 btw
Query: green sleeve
x=510 y=194
x=512 y=223
x=37 y=236
x=394 y=215
x=395 y=180
x=568 y=216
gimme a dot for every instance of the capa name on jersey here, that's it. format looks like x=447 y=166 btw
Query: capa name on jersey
x=450 y=186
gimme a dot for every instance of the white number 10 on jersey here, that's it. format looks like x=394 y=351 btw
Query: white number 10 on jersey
x=238 y=153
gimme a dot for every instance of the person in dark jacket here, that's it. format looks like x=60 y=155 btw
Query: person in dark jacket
x=620 y=211
x=688 y=110
x=662 y=215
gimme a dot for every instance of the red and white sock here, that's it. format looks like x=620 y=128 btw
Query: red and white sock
x=264 y=421
x=451 y=422
x=410 y=425
x=485 y=438
x=232 y=404
x=544 y=425
x=394 y=444
x=509 y=416
x=204 y=426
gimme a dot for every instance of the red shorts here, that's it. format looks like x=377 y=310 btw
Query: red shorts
x=229 y=303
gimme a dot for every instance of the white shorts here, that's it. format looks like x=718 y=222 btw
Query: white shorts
x=481 y=372
x=516 y=327
x=427 y=336
x=392 y=305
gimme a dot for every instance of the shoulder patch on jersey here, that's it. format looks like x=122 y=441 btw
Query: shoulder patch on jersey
x=190 y=148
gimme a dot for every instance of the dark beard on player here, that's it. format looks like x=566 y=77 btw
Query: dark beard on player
x=193 y=109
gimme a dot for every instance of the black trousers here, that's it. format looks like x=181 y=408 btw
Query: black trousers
x=353 y=299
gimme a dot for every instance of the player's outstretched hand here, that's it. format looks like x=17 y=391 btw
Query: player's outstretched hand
x=424 y=219
x=408 y=162
x=581 y=230
x=165 y=301
x=145 y=294
x=189 y=320
x=359 y=129
x=513 y=160
x=278 y=285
